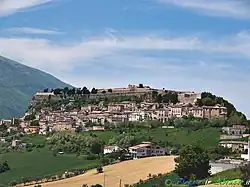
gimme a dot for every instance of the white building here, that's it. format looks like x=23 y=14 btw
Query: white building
x=247 y=156
x=138 y=116
x=146 y=149
x=110 y=149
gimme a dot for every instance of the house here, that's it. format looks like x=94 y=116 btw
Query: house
x=31 y=130
x=236 y=146
x=98 y=128
x=176 y=111
x=16 y=143
x=138 y=116
x=146 y=149
x=214 y=111
x=110 y=149
x=235 y=130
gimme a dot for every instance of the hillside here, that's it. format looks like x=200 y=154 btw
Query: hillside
x=17 y=85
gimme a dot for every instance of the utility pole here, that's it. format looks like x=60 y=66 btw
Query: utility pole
x=103 y=179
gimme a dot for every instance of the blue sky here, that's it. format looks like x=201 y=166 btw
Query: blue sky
x=195 y=45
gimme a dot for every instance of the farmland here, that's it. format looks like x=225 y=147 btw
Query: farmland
x=129 y=172
x=40 y=161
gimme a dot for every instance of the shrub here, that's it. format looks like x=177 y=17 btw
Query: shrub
x=13 y=183
x=99 y=169
x=84 y=185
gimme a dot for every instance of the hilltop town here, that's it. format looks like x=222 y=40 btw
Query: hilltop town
x=105 y=126
x=68 y=109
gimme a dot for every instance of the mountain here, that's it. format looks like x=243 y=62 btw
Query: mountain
x=18 y=83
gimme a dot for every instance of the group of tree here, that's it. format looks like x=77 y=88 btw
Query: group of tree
x=4 y=166
x=168 y=97
x=208 y=99
x=193 y=163
x=74 y=143
x=30 y=117
x=74 y=91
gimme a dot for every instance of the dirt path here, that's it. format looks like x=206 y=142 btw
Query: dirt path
x=129 y=172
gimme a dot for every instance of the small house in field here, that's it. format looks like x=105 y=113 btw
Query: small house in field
x=146 y=149
x=110 y=149
x=98 y=128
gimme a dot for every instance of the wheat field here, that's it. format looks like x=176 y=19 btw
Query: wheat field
x=127 y=172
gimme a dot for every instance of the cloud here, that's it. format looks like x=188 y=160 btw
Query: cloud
x=118 y=61
x=8 y=7
x=30 y=30
x=223 y=8
x=37 y=51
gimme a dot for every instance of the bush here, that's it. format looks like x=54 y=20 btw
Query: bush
x=99 y=169
x=13 y=183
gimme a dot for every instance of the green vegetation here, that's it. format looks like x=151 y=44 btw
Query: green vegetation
x=228 y=174
x=18 y=84
x=71 y=143
x=208 y=99
x=193 y=163
x=245 y=174
x=81 y=149
x=4 y=167
x=163 y=137
x=41 y=162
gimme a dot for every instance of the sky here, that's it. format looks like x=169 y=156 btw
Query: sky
x=196 y=45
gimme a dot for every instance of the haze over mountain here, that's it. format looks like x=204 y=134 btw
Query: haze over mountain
x=17 y=85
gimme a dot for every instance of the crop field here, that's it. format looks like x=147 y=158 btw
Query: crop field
x=39 y=163
x=129 y=172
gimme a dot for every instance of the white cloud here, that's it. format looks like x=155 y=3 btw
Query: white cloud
x=36 y=52
x=30 y=30
x=224 y=8
x=109 y=61
x=44 y=53
x=8 y=7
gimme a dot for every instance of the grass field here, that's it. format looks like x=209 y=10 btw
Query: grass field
x=39 y=163
x=129 y=172
x=228 y=174
x=209 y=137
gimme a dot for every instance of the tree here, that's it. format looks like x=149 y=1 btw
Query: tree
x=235 y=119
x=13 y=183
x=65 y=90
x=141 y=86
x=78 y=129
x=85 y=90
x=35 y=123
x=158 y=98
x=103 y=91
x=208 y=101
x=99 y=169
x=110 y=90
x=57 y=91
x=46 y=90
x=245 y=174
x=94 y=91
x=193 y=161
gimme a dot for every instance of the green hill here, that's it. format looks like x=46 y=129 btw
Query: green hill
x=17 y=85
